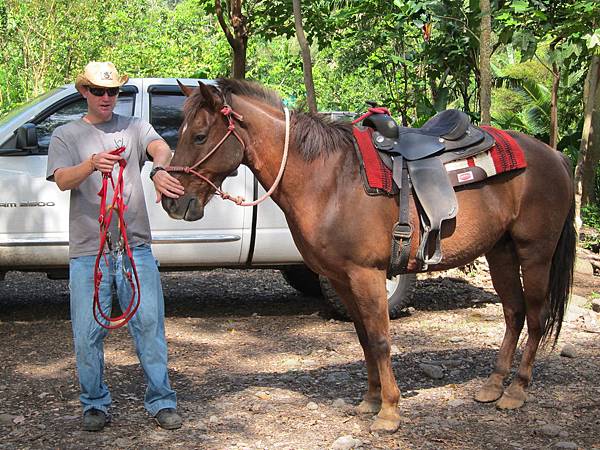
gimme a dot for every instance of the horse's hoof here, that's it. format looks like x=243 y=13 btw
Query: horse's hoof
x=385 y=426
x=514 y=397
x=368 y=407
x=489 y=392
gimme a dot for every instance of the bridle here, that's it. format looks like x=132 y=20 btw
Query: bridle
x=231 y=117
x=105 y=218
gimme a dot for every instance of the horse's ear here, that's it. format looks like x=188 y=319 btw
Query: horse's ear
x=187 y=91
x=210 y=94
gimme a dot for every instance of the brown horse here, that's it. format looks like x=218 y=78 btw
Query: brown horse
x=521 y=221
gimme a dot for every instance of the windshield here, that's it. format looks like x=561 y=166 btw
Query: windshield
x=20 y=109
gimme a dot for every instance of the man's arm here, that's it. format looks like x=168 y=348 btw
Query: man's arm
x=164 y=183
x=71 y=177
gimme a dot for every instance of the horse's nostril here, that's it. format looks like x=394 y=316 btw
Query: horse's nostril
x=194 y=210
x=167 y=203
x=176 y=208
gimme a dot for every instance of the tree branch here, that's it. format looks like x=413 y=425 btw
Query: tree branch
x=224 y=27
x=549 y=69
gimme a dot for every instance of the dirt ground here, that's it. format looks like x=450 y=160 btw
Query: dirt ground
x=259 y=366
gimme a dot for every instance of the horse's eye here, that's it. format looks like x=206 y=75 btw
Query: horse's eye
x=200 y=139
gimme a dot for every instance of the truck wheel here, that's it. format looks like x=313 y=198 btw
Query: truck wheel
x=400 y=295
x=302 y=279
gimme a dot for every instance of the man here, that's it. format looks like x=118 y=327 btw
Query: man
x=79 y=153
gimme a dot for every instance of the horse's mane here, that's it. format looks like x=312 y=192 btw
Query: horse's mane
x=246 y=88
x=314 y=134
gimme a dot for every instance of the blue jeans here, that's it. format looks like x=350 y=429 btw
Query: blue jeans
x=146 y=327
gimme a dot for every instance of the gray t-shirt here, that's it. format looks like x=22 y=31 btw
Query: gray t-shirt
x=75 y=142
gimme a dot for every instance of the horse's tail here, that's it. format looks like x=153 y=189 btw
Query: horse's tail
x=561 y=276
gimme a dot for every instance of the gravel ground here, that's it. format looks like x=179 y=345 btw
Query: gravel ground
x=257 y=365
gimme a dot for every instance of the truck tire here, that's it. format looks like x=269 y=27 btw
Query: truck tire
x=302 y=279
x=400 y=295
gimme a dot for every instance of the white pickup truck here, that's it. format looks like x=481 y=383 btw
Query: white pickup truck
x=34 y=212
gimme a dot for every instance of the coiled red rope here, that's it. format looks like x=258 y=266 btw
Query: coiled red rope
x=104 y=220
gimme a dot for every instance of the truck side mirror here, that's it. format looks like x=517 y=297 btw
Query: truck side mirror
x=27 y=138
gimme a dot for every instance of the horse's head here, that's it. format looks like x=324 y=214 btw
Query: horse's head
x=200 y=149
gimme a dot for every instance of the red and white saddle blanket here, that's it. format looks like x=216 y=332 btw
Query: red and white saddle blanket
x=504 y=156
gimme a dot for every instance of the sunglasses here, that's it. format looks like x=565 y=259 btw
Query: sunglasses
x=99 y=92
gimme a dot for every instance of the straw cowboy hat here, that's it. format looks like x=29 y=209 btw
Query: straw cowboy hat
x=101 y=74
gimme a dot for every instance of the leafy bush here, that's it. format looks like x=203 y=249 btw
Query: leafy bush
x=589 y=236
x=590 y=215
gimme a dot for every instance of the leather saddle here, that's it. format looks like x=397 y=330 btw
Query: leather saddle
x=417 y=158
x=448 y=135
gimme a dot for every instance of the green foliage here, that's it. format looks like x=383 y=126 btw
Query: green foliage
x=589 y=237
x=168 y=42
x=590 y=214
x=560 y=32
x=519 y=104
x=528 y=70
x=48 y=43
x=42 y=44
x=415 y=77
x=362 y=50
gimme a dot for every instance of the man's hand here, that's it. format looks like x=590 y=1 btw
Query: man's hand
x=104 y=162
x=165 y=184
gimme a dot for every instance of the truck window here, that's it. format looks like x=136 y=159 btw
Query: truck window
x=165 y=114
x=72 y=109
x=69 y=112
x=40 y=98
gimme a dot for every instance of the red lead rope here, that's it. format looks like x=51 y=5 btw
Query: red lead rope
x=104 y=219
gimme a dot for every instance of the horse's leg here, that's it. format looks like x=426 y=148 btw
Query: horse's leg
x=536 y=272
x=504 y=269
x=371 y=402
x=368 y=290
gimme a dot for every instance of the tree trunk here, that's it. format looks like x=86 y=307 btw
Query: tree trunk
x=306 y=60
x=585 y=168
x=554 y=99
x=466 y=98
x=239 y=60
x=485 y=51
x=237 y=35
x=588 y=192
x=554 y=106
